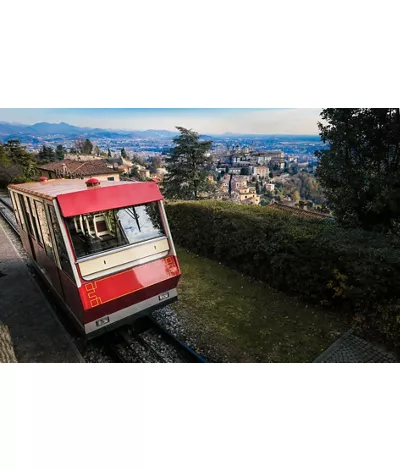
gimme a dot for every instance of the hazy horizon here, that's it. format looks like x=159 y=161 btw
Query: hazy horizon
x=295 y=121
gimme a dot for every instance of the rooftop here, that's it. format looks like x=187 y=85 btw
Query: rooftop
x=75 y=198
x=79 y=168
x=52 y=188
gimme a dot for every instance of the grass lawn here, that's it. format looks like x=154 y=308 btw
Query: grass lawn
x=246 y=320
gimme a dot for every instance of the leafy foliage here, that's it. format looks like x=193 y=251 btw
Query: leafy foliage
x=360 y=172
x=60 y=152
x=353 y=270
x=138 y=159
x=301 y=185
x=156 y=162
x=15 y=163
x=187 y=176
x=47 y=154
x=82 y=146
x=87 y=147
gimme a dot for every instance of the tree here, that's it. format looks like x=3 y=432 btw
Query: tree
x=97 y=151
x=78 y=146
x=187 y=177
x=360 y=172
x=8 y=169
x=16 y=162
x=9 y=173
x=123 y=153
x=258 y=188
x=139 y=160
x=109 y=153
x=135 y=173
x=60 y=152
x=82 y=146
x=87 y=147
x=245 y=171
x=296 y=196
x=156 y=162
x=47 y=154
x=51 y=155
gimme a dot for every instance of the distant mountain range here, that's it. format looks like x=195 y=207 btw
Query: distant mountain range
x=43 y=129
x=36 y=132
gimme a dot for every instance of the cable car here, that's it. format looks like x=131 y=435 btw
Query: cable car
x=104 y=247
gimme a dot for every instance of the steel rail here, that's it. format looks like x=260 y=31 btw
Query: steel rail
x=6 y=217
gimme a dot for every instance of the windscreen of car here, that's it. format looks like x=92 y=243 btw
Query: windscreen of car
x=102 y=231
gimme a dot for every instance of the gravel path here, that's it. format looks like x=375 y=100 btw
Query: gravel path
x=180 y=327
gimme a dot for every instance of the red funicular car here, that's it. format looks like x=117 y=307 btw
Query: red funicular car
x=105 y=247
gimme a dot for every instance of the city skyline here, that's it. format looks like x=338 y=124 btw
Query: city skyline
x=206 y=121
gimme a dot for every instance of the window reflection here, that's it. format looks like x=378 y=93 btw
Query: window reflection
x=101 y=231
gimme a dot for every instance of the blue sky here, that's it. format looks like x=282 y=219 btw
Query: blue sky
x=265 y=121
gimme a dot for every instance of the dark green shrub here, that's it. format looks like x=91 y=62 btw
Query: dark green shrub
x=352 y=270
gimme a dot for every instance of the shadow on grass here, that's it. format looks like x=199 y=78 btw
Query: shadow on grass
x=247 y=320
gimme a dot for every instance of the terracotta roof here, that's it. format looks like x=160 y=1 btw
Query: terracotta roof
x=86 y=168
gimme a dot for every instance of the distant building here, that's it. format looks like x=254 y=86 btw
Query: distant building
x=79 y=169
x=161 y=172
x=234 y=171
x=277 y=164
x=119 y=163
x=238 y=183
x=82 y=158
x=302 y=165
x=261 y=170
x=252 y=201
x=241 y=192
x=143 y=172
x=270 y=187
x=263 y=158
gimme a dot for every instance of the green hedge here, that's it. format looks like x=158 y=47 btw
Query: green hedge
x=353 y=270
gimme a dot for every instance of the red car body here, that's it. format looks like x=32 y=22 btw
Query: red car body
x=105 y=248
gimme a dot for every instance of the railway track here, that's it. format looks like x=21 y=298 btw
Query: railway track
x=7 y=212
x=147 y=341
x=144 y=341
x=187 y=352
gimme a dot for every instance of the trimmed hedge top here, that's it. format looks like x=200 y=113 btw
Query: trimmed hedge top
x=354 y=269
